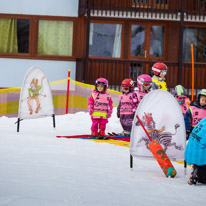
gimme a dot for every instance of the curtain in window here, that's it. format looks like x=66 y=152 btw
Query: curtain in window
x=55 y=37
x=156 y=41
x=8 y=35
x=117 y=41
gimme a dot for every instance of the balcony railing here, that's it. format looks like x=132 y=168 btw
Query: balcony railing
x=117 y=70
x=194 y=10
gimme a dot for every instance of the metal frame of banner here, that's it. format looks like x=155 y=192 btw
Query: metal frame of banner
x=68 y=84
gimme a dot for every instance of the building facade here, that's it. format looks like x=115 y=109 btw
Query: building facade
x=115 y=39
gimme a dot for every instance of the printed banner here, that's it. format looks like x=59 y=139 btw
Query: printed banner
x=162 y=117
x=36 y=97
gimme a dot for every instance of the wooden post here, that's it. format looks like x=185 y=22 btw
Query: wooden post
x=88 y=19
x=181 y=42
x=68 y=84
x=193 y=72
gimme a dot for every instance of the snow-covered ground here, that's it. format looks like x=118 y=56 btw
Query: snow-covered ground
x=38 y=169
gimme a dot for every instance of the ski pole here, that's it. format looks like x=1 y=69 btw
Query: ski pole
x=144 y=128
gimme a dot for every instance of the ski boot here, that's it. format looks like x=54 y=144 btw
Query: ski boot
x=37 y=109
x=31 y=111
x=102 y=135
x=126 y=133
x=193 y=177
x=94 y=134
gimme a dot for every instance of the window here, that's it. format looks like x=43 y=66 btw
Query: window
x=105 y=40
x=195 y=36
x=55 y=37
x=36 y=37
x=14 y=35
x=138 y=40
x=163 y=4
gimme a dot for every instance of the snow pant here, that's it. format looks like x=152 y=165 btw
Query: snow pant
x=98 y=124
x=126 y=121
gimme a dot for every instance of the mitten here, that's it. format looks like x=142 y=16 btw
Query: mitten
x=109 y=115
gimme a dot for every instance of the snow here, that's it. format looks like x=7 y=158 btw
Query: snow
x=38 y=169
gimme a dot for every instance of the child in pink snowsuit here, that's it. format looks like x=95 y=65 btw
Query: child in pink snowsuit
x=100 y=108
x=144 y=84
x=127 y=106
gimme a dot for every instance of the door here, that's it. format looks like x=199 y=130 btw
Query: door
x=147 y=42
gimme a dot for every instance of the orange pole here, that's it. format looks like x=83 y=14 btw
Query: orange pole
x=68 y=83
x=193 y=72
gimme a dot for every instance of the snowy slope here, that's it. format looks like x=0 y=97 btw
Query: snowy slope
x=38 y=169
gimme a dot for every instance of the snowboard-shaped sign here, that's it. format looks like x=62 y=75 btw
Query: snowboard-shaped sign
x=36 y=97
x=162 y=118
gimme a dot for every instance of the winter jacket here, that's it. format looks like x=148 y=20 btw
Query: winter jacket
x=127 y=103
x=160 y=81
x=100 y=105
x=195 y=152
x=194 y=115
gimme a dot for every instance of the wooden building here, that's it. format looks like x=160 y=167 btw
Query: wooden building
x=124 y=38
x=115 y=39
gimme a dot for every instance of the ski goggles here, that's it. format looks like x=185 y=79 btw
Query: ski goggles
x=125 y=88
x=147 y=84
x=164 y=72
x=181 y=98
x=102 y=83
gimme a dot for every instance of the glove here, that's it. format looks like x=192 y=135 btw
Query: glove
x=91 y=112
x=109 y=115
x=118 y=113
x=187 y=134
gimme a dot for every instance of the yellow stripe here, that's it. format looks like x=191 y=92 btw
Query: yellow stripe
x=15 y=89
x=112 y=141
x=99 y=114
x=9 y=107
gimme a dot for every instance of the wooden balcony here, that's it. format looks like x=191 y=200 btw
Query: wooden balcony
x=193 y=10
x=117 y=70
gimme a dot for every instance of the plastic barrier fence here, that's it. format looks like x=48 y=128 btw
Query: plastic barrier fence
x=78 y=98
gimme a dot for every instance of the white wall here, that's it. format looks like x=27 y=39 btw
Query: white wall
x=40 y=7
x=12 y=71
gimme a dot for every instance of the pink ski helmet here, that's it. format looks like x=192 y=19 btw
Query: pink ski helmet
x=159 y=67
x=144 y=80
x=102 y=81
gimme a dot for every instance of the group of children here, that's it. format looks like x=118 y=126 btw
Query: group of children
x=100 y=103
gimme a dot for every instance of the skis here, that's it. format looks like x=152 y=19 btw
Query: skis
x=118 y=137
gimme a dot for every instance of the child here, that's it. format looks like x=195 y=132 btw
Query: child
x=160 y=70
x=180 y=94
x=195 y=153
x=144 y=84
x=100 y=108
x=127 y=105
x=196 y=112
